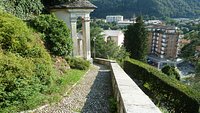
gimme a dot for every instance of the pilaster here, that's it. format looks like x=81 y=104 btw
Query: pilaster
x=73 y=22
x=86 y=37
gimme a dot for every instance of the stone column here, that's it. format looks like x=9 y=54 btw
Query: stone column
x=74 y=35
x=86 y=37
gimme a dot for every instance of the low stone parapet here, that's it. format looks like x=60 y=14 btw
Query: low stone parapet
x=130 y=98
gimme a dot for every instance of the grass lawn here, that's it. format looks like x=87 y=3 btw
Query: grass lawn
x=56 y=92
x=64 y=83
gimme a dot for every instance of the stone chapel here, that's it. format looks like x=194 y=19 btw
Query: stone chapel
x=69 y=12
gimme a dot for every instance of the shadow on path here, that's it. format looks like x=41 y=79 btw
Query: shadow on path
x=101 y=90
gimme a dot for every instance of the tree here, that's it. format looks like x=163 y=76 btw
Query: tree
x=57 y=36
x=188 y=51
x=157 y=8
x=135 y=40
x=23 y=9
x=171 y=72
x=104 y=49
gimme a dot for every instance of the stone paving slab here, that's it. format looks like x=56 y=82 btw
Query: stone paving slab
x=90 y=95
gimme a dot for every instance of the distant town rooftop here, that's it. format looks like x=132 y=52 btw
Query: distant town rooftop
x=113 y=15
x=161 y=27
x=81 y=4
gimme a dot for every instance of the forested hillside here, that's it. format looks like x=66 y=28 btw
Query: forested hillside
x=158 y=8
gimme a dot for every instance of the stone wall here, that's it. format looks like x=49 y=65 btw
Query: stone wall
x=130 y=98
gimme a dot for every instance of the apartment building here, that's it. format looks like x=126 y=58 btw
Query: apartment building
x=163 y=41
x=114 y=18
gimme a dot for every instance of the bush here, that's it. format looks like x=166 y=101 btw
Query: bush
x=57 y=35
x=24 y=9
x=171 y=72
x=25 y=66
x=14 y=34
x=165 y=91
x=19 y=82
x=78 y=63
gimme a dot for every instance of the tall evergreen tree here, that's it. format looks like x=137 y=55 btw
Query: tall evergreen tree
x=135 y=40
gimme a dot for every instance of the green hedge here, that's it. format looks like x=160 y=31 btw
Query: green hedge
x=164 y=90
x=77 y=63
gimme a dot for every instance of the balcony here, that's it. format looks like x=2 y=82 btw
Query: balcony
x=164 y=36
x=157 y=42
x=164 y=40
x=156 y=45
x=164 y=45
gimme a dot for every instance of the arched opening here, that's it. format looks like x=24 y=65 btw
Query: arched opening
x=80 y=36
x=78 y=21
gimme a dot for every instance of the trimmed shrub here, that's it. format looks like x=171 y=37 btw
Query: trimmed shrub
x=78 y=63
x=164 y=90
x=57 y=35
x=171 y=72
x=14 y=34
x=18 y=82
x=25 y=66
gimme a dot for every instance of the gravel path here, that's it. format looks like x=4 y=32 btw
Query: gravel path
x=90 y=95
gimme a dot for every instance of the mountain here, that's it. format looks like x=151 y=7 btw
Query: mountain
x=157 y=8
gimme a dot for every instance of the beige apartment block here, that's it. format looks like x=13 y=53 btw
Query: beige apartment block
x=163 y=41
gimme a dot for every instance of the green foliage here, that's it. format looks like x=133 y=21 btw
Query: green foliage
x=188 y=51
x=109 y=49
x=57 y=35
x=1 y=5
x=158 y=8
x=196 y=86
x=24 y=9
x=77 y=63
x=20 y=82
x=14 y=34
x=135 y=40
x=27 y=77
x=104 y=25
x=192 y=35
x=15 y=37
x=113 y=105
x=25 y=66
x=55 y=2
x=63 y=83
x=171 y=72
x=165 y=91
